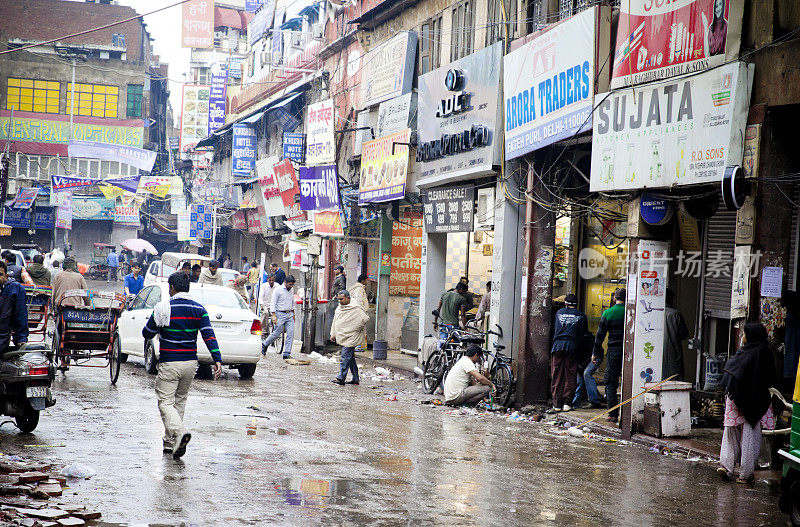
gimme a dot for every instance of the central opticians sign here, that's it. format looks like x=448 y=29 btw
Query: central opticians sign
x=458 y=119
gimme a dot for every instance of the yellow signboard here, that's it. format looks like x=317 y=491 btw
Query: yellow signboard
x=54 y=131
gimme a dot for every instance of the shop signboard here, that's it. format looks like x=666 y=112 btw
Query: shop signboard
x=395 y=115
x=268 y=194
x=66 y=183
x=239 y=221
x=126 y=215
x=406 y=262
x=243 y=150
x=650 y=300
x=677 y=132
x=319 y=130
x=448 y=209
x=549 y=82
x=201 y=221
x=294 y=147
x=129 y=155
x=286 y=178
x=384 y=168
x=198 y=24
x=328 y=223
x=458 y=122
x=21 y=218
x=319 y=188
x=389 y=68
x=92 y=208
x=253 y=221
x=655 y=210
x=184 y=226
x=194 y=115
x=657 y=40
x=216 y=101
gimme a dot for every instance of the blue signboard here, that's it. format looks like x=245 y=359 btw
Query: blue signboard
x=244 y=150
x=216 y=101
x=294 y=147
x=654 y=210
x=21 y=219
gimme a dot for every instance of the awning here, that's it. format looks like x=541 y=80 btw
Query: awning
x=307 y=10
x=224 y=17
x=295 y=24
x=5 y=230
x=253 y=118
x=208 y=141
x=245 y=181
x=284 y=103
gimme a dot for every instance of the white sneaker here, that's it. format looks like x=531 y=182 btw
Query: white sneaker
x=566 y=408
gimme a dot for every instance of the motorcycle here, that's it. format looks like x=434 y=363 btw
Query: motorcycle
x=26 y=375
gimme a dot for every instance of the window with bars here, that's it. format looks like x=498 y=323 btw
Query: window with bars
x=28 y=95
x=497 y=23
x=462 y=41
x=430 y=44
x=134 y=108
x=534 y=16
x=94 y=100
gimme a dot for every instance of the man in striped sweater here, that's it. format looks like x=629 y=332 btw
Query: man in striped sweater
x=176 y=321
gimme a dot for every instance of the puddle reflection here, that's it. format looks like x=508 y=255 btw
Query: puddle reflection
x=313 y=493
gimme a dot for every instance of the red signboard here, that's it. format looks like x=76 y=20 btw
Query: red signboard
x=239 y=220
x=328 y=223
x=661 y=39
x=198 y=24
x=253 y=221
x=406 y=258
x=286 y=177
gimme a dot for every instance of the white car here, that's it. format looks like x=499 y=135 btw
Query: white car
x=238 y=330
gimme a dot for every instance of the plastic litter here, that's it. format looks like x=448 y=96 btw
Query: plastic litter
x=574 y=431
x=418 y=371
x=78 y=471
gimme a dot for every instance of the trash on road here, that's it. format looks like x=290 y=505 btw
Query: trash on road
x=78 y=470
x=298 y=362
x=322 y=358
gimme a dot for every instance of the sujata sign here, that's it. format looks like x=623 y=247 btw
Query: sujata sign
x=458 y=124
x=657 y=39
x=679 y=132
x=549 y=81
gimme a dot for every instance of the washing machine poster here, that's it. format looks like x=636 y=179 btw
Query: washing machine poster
x=651 y=288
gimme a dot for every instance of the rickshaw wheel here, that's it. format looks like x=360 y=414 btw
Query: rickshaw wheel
x=113 y=360
x=60 y=361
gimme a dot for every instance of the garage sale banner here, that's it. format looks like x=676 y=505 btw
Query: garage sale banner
x=676 y=132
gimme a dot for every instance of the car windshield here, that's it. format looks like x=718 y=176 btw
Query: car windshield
x=28 y=254
x=228 y=274
x=217 y=297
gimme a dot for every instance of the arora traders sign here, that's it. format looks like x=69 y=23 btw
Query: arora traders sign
x=458 y=118
x=679 y=132
x=549 y=81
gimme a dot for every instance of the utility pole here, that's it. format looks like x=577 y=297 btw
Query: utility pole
x=384 y=269
x=314 y=249
x=4 y=164
x=213 y=229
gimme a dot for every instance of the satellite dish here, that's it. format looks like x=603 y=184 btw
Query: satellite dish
x=735 y=187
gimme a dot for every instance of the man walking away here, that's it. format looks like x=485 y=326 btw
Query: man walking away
x=675 y=332
x=359 y=297
x=464 y=385
x=282 y=309
x=571 y=326
x=209 y=275
x=612 y=323
x=13 y=311
x=112 y=261
x=348 y=331
x=280 y=274
x=339 y=283
x=54 y=272
x=452 y=311
x=176 y=321
x=38 y=272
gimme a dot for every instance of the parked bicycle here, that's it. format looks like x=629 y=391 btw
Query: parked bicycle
x=450 y=350
x=498 y=370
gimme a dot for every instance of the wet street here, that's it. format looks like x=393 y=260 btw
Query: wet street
x=328 y=455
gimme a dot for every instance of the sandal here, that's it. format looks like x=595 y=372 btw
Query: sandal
x=724 y=474
x=746 y=481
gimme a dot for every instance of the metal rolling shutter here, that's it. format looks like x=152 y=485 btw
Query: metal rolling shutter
x=794 y=240
x=249 y=247
x=720 y=236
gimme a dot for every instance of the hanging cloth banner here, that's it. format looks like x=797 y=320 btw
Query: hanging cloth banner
x=127 y=183
x=110 y=192
x=64 y=212
x=25 y=198
x=135 y=157
x=62 y=183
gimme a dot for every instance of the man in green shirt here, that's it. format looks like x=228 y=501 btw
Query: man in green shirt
x=452 y=311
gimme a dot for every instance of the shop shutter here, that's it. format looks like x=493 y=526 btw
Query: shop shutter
x=794 y=240
x=720 y=236
x=249 y=247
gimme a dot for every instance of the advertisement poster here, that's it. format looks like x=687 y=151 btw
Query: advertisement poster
x=135 y=157
x=458 y=123
x=92 y=208
x=194 y=117
x=286 y=178
x=126 y=183
x=243 y=150
x=407 y=240
x=319 y=188
x=126 y=215
x=25 y=198
x=657 y=40
x=328 y=223
x=268 y=196
x=294 y=147
x=549 y=82
x=678 y=132
x=198 y=24
x=216 y=101
x=771 y=282
x=64 y=183
x=64 y=212
x=184 y=226
x=740 y=296
x=383 y=173
x=448 y=209
x=650 y=299
x=201 y=222
x=389 y=68
x=319 y=133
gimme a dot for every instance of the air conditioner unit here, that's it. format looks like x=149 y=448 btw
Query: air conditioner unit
x=296 y=39
x=317 y=31
x=484 y=218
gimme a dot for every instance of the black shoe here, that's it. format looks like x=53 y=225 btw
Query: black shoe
x=352 y=382
x=180 y=450
x=338 y=381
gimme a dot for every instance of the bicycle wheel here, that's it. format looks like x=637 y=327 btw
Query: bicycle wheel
x=114 y=359
x=503 y=380
x=432 y=373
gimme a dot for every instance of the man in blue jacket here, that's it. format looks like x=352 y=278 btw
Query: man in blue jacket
x=571 y=326
x=176 y=321
x=13 y=311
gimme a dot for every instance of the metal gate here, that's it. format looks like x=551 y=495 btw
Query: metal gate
x=720 y=242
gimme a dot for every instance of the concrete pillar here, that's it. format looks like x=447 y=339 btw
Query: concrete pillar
x=384 y=268
x=434 y=257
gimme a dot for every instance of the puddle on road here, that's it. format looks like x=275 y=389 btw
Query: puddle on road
x=313 y=493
